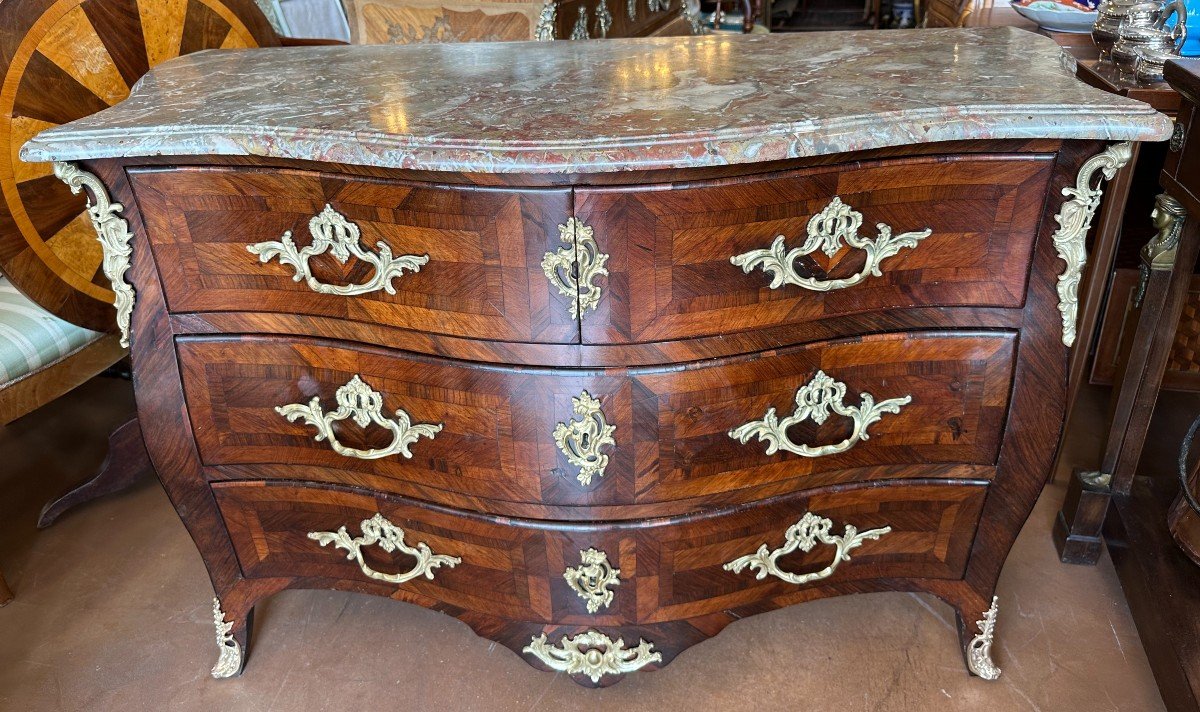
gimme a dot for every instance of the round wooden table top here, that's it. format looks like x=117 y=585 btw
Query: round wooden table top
x=62 y=60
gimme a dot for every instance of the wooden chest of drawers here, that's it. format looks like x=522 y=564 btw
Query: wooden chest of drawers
x=599 y=415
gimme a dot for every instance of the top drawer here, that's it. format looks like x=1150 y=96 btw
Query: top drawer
x=697 y=260
x=459 y=261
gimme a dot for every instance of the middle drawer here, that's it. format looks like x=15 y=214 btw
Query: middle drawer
x=876 y=407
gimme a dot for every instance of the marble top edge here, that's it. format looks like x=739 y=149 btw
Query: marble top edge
x=608 y=105
x=48 y=139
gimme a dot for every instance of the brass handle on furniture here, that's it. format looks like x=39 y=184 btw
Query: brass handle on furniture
x=572 y=268
x=389 y=537
x=363 y=404
x=581 y=440
x=591 y=579
x=593 y=654
x=804 y=535
x=814 y=401
x=826 y=230
x=333 y=233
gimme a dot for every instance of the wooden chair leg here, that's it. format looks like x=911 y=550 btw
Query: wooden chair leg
x=126 y=463
x=6 y=593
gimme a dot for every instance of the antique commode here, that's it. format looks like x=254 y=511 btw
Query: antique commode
x=600 y=346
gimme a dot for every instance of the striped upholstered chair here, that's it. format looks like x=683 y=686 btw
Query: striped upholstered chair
x=42 y=357
x=40 y=354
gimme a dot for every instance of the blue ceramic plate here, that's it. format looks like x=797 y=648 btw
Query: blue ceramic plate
x=1056 y=17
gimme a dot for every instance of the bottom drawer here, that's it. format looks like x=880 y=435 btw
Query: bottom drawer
x=669 y=569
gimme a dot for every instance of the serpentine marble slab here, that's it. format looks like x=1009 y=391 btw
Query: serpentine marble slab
x=580 y=107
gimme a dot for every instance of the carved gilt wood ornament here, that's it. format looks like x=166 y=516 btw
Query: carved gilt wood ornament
x=363 y=404
x=814 y=401
x=592 y=654
x=333 y=233
x=581 y=440
x=572 y=268
x=113 y=233
x=1074 y=220
x=979 y=650
x=379 y=531
x=827 y=230
x=804 y=535
x=591 y=579
x=229 y=663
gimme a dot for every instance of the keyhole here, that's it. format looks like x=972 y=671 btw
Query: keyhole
x=583 y=441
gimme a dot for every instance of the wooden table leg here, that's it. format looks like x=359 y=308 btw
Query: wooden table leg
x=126 y=463
x=1166 y=275
x=6 y=593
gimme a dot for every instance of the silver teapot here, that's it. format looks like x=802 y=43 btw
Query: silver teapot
x=1143 y=29
x=1108 y=21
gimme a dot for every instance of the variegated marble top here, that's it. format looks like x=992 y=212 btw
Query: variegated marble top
x=605 y=105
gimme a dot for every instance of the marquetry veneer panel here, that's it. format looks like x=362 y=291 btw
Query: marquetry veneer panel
x=670 y=569
x=672 y=424
x=670 y=275
x=483 y=280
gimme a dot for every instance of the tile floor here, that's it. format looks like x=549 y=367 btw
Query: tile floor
x=113 y=612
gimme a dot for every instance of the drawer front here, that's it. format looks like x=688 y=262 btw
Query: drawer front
x=461 y=261
x=879 y=407
x=834 y=241
x=667 y=569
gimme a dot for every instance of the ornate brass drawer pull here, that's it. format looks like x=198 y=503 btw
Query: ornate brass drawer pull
x=389 y=537
x=826 y=230
x=804 y=535
x=591 y=579
x=364 y=405
x=332 y=232
x=592 y=653
x=814 y=401
x=581 y=440
x=572 y=268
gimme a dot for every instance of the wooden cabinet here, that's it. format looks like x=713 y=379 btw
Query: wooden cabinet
x=588 y=368
x=492 y=328
x=583 y=385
